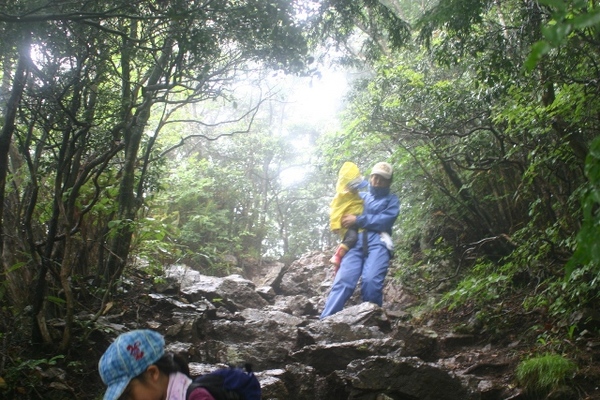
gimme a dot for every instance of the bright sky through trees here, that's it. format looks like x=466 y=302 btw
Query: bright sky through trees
x=316 y=103
x=319 y=102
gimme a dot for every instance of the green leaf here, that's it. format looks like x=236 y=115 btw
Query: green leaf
x=538 y=50
x=114 y=223
x=16 y=266
x=56 y=300
x=556 y=34
x=587 y=20
x=557 y=4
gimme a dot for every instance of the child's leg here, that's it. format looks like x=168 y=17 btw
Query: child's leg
x=351 y=237
x=348 y=242
x=336 y=259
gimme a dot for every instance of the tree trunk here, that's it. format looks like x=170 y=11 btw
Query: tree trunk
x=129 y=202
x=10 y=114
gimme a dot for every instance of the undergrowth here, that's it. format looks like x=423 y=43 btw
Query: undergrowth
x=532 y=279
x=541 y=375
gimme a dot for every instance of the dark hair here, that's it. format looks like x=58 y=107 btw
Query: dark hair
x=172 y=362
x=168 y=364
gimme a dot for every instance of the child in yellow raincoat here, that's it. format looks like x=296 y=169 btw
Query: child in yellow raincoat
x=346 y=201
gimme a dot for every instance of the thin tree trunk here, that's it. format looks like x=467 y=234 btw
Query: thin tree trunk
x=10 y=115
x=129 y=203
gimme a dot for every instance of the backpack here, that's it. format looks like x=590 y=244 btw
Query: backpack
x=229 y=384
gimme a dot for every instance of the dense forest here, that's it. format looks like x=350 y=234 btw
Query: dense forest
x=153 y=132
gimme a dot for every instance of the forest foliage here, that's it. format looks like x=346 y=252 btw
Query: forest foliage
x=150 y=132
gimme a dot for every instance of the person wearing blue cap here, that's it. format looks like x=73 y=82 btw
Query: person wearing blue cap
x=136 y=367
x=346 y=201
x=369 y=259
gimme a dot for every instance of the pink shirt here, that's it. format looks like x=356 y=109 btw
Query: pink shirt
x=178 y=386
x=200 y=394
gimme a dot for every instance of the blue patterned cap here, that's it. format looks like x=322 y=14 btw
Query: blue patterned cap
x=127 y=357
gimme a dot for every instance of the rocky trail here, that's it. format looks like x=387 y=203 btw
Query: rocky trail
x=271 y=321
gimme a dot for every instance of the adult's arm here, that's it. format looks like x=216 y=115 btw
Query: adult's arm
x=379 y=217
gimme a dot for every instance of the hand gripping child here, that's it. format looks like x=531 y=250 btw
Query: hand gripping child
x=346 y=201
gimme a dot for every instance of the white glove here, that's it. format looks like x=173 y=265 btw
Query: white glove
x=387 y=240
